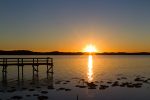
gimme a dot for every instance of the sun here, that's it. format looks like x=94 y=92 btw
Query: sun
x=90 y=48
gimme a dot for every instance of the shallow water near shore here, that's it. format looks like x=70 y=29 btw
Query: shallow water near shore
x=105 y=77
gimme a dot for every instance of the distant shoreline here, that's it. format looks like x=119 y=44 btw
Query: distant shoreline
x=27 y=52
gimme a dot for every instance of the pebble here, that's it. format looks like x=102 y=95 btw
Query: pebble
x=50 y=87
x=67 y=89
x=28 y=95
x=42 y=97
x=31 y=89
x=102 y=87
x=35 y=94
x=44 y=92
x=17 y=97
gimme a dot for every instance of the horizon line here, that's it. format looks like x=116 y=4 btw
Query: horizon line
x=74 y=51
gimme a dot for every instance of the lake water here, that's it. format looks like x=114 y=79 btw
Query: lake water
x=73 y=71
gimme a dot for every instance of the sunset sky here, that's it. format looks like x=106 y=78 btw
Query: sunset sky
x=69 y=25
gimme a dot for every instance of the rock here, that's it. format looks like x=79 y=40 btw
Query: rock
x=130 y=85
x=82 y=86
x=116 y=83
x=60 y=89
x=1 y=90
x=32 y=83
x=67 y=89
x=96 y=82
x=17 y=97
x=123 y=84
x=38 y=87
x=50 y=87
x=28 y=95
x=148 y=78
x=12 y=90
x=44 y=92
x=118 y=79
x=102 y=87
x=12 y=87
x=67 y=81
x=138 y=85
x=123 y=78
x=77 y=85
x=31 y=89
x=24 y=88
x=145 y=81
x=91 y=85
x=138 y=79
x=35 y=94
x=109 y=82
x=57 y=82
x=42 y=97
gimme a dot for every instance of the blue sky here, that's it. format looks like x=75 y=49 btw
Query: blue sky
x=69 y=25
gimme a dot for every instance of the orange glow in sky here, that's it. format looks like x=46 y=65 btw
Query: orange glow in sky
x=68 y=26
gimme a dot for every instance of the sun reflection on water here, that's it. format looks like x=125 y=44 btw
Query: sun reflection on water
x=90 y=68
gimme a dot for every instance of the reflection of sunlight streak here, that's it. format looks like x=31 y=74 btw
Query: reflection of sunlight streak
x=90 y=68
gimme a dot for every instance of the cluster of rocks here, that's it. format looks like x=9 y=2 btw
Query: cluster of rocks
x=62 y=81
x=39 y=97
x=17 y=97
x=142 y=79
x=91 y=85
x=42 y=97
x=127 y=84
x=137 y=82
x=62 y=88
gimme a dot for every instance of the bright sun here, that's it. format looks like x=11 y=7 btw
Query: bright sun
x=90 y=48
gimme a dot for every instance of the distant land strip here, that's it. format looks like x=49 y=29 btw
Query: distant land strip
x=28 y=52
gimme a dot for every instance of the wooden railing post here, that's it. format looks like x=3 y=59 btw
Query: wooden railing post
x=52 y=64
x=22 y=67
x=18 y=70
x=37 y=65
x=47 y=64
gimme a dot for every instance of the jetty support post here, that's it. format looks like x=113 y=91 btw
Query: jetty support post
x=49 y=71
x=35 y=65
x=4 y=72
x=4 y=65
x=22 y=67
x=18 y=71
x=50 y=65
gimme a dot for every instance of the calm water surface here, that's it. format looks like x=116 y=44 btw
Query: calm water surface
x=96 y=68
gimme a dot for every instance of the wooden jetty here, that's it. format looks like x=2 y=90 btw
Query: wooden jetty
x=22 y=62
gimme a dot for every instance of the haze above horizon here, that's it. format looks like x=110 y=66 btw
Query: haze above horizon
x=70 y=25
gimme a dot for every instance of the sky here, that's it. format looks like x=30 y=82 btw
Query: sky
x=69 y=25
